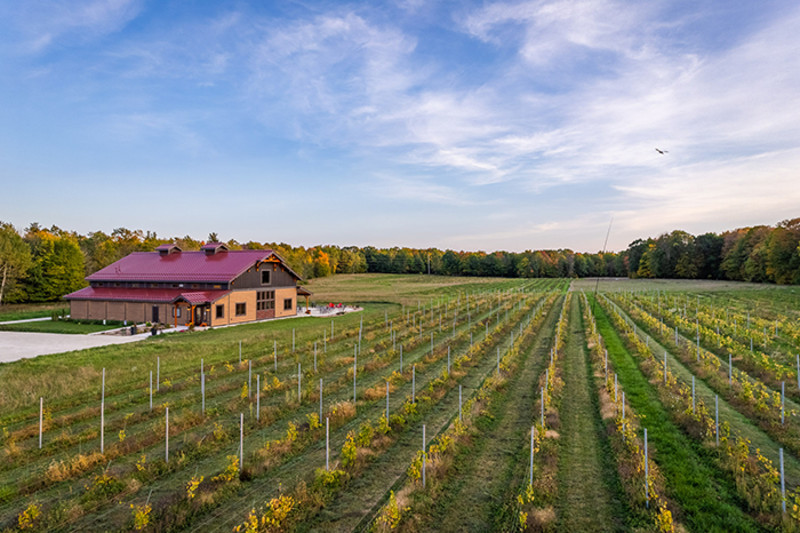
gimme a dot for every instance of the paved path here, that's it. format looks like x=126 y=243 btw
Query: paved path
x=15 y=345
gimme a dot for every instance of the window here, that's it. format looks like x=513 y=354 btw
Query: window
x=265 y=300
x=241 y=309
x=266 y=277
x=287 y=304
x=220 y=311
x=177 y=312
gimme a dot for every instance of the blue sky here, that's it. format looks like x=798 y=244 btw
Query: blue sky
x=463 y=125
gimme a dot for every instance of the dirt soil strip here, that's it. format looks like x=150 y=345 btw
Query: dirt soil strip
x=705 y=494
x=590 y=493
x=478 y=489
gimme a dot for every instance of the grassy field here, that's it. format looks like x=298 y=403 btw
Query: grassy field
x=58 y=326
x=24 y=311
x=453 y=332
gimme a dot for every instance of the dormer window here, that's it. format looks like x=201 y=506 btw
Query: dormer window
x=167 y=249
x=214 y=248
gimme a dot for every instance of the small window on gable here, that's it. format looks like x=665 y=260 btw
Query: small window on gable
x=266 y=277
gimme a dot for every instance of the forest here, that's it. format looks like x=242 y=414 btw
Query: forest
x=42 y=264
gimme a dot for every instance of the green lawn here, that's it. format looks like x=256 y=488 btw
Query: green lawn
x=706 y=495
x=25 y=311
x=57 y=326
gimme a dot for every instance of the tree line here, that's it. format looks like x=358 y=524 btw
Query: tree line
x=42 y=264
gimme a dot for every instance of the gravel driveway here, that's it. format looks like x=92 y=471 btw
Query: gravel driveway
x=15 y=345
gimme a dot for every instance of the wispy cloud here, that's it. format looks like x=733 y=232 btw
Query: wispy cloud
x=417 y=190
x=42 y=23
x=528 y=109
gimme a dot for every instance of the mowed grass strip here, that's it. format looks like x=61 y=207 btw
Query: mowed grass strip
x=346 y=512
x=171 y=483
x=473 y=496
x=740 y=424
x=706 y=496
x=349 y=505
x=590 y=496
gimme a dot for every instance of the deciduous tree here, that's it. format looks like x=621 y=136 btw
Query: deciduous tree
x=15 y=258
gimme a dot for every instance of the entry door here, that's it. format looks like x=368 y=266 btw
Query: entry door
x=155 y=314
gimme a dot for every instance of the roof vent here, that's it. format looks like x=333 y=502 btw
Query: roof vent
x=213 y=248
x=166 y=249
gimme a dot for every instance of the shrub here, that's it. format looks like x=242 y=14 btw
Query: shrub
x=349 y=451
x=27 y=518
x=191 y=486
x=231 y=471
x=141 y=516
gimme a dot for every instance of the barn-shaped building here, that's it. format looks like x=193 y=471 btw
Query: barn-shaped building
x=214 y=286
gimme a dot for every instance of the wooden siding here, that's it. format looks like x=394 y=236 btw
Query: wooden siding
x=251 y=279
x=226 y=302
x=79 y=309
x=282 y=294
x=247 y=297
x=132 y=312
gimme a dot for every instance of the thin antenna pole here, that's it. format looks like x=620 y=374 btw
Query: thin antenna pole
x=605 y=244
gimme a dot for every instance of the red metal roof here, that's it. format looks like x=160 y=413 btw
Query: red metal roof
x=201 y=297
x=221 y=267
x=124 y=294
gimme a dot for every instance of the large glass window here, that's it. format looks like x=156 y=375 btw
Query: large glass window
x=265 y=300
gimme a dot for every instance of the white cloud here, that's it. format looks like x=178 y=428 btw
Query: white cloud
x=531 y=96
x=44 y=22
x=419 y=190
x=551 y=29
x=755 y=189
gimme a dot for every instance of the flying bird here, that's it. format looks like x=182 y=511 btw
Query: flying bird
x=662 y=152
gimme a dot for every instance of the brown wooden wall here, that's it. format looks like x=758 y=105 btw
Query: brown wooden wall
x=133 y=312
x=252 y=278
